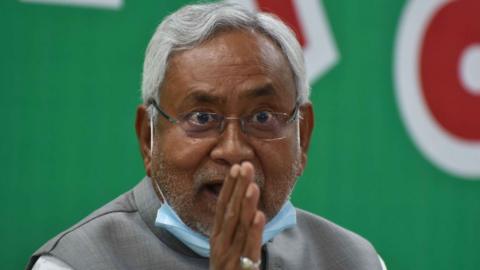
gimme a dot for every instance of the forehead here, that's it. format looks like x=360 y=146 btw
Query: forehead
x=232 y=65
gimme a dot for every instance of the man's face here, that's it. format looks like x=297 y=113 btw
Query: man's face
x=233 y=74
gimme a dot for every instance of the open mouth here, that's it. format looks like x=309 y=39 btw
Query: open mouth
x=213 y=188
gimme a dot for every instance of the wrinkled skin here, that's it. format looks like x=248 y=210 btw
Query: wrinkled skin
x=233 y=74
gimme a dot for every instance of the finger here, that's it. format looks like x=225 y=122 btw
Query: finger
x=253 y=245
x=247 y=214
x=232 y=213
x=225 y=194
x=249 y=205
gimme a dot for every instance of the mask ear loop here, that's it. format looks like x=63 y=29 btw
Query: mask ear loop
x=151 y=132
x=151 y=153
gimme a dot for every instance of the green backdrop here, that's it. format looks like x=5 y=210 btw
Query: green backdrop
x=69 y=87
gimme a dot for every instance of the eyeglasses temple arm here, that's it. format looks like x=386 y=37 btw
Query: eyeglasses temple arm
x=164 y=114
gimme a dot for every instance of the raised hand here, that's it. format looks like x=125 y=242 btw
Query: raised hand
x=238 y=226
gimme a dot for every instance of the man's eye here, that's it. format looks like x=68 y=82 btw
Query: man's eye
x=262 y=117
x=200 y=118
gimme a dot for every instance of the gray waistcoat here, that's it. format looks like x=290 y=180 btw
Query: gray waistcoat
x=122 y=235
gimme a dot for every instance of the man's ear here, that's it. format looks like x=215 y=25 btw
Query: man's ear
x=306 y=128
x=142 y=127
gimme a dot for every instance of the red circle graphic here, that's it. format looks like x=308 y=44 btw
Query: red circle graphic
x=454 y=28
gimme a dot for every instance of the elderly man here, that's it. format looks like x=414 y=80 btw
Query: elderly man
x=224 y=131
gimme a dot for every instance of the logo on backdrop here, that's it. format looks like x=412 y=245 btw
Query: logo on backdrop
x=437 y=77
x=306 y=17
x=309 y=22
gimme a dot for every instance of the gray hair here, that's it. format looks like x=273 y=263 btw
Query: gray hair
x=193 y=24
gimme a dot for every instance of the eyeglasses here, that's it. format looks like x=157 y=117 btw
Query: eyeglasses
x=261 y=124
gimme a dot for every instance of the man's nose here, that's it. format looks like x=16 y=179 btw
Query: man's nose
x=232 y=146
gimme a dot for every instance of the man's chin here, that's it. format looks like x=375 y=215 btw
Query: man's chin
x=203 y=229
x=202 y=219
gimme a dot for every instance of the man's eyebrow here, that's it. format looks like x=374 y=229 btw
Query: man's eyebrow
x=202 y=96
x=261 y=91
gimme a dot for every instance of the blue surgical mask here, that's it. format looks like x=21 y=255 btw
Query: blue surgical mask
x=169 y=220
